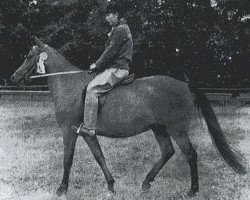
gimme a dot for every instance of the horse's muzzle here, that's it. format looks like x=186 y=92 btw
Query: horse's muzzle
x=16 y=79
x=13 y=79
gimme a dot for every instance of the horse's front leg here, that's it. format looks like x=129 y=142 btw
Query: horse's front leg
x=69 y=141
x=97 y=152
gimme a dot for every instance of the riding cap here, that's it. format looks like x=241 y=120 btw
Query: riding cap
x=114 y=8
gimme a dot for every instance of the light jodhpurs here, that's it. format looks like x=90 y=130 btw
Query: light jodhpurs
x=101 y=84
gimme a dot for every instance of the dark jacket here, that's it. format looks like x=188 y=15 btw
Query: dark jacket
x=119 y=48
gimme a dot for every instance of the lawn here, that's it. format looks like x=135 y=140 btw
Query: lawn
x=31 y=155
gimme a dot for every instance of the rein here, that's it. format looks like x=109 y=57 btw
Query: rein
x=58 y=73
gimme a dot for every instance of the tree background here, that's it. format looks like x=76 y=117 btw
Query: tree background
x=202 y=42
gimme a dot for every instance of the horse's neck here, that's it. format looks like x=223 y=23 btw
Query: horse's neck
x=58 y=63
x=71 y=85
x=62 y=85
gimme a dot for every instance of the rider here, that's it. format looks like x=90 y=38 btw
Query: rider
x=113 y=66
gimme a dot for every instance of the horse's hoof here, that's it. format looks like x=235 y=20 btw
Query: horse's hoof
x=110 y=195
x=111 y=187
x=111 y=190
x=192 y=193
x=146 y=185
x=61 y=191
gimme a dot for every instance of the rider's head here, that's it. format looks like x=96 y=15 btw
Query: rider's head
x=113 y=13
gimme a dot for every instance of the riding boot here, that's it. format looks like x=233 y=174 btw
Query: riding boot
x=90 y=115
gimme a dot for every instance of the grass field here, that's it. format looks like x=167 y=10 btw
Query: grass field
x=31 y=155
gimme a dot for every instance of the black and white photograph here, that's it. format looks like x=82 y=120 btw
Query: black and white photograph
x=124 y=99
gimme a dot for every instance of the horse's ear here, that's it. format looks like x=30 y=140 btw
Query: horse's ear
x=39 y=43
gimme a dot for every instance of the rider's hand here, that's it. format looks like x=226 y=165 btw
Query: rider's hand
x=92 y=67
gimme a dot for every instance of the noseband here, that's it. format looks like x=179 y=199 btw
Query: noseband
x=26 y=72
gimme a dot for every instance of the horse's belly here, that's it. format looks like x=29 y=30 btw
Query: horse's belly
x=124 y=121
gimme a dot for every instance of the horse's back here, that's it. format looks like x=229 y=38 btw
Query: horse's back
x=144 y=102
x=152 y=89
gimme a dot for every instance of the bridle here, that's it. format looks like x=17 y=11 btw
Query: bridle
x=26 y=72
x=41 y=67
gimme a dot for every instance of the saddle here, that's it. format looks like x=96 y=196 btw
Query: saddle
x=129 y=79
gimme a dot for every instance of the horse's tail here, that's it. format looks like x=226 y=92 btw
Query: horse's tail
x=229 y=155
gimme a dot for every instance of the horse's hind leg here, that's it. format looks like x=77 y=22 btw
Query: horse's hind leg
x=182 y=140
x=69 y=141
x=167 y=151
x=97 y=152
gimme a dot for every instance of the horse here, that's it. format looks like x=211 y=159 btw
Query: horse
x=158 y=103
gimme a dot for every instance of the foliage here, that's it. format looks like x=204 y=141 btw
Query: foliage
x=189 y=40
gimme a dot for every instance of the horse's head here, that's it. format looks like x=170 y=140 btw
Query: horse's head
x=32 y=64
